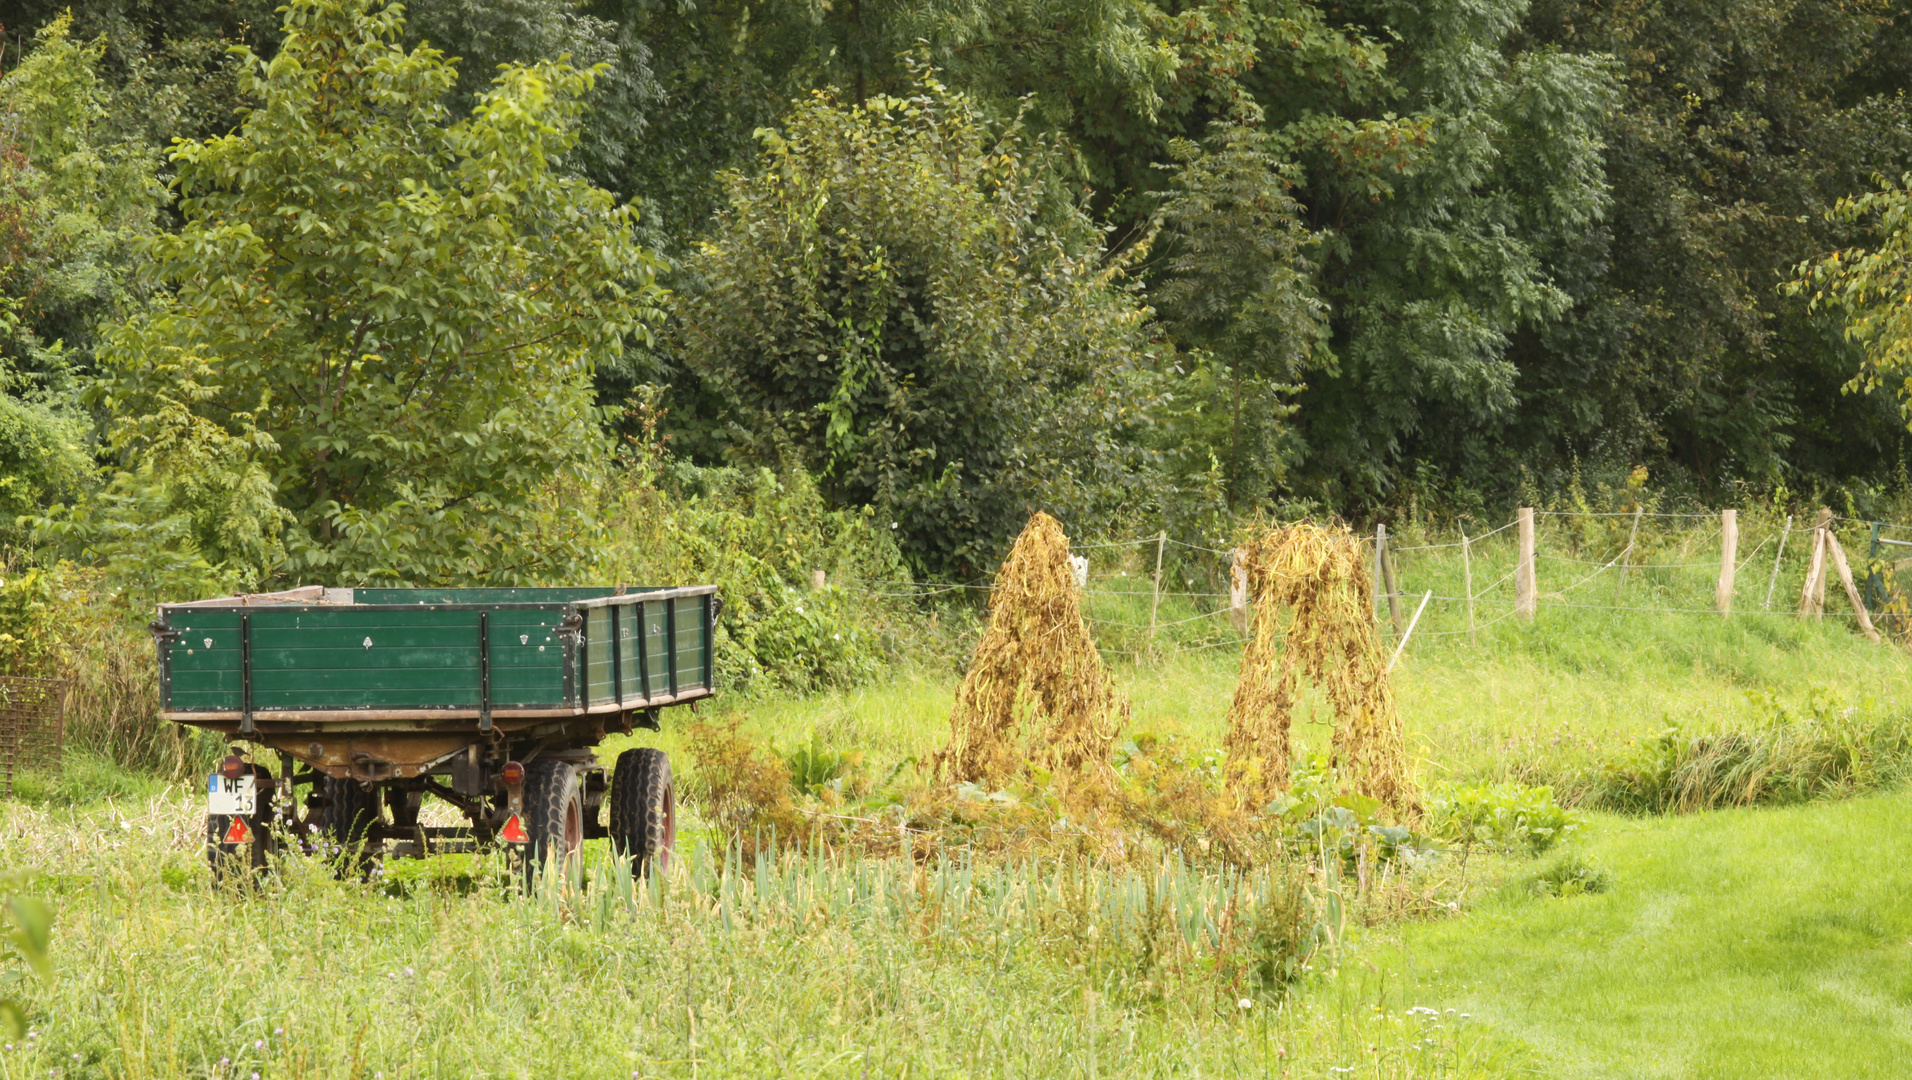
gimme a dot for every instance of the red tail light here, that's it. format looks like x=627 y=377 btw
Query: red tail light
x=513 y=773
x=233 y=767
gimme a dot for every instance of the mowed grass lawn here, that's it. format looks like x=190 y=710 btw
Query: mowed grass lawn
x=1734 y=944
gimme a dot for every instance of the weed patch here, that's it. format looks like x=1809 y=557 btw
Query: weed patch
x=1797 y=755
x=1569 y=876
x=1502 y=817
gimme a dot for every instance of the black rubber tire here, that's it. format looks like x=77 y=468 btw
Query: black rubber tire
x=553 y=816
x=644 y=809
x=236 y=860
x=346 y=820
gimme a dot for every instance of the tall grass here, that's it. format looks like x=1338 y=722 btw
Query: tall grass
x=777 y=966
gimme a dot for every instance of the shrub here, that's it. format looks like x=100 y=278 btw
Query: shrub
x=892 y=264
x=759 y=535
x=740 y=785
x=62 y=621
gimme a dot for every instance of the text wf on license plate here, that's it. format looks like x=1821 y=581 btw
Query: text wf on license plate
x=227 y=795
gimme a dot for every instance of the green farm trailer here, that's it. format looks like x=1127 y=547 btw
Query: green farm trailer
x=491 y=700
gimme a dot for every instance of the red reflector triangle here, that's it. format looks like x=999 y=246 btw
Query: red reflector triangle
x=514 y=831
x=238 y=833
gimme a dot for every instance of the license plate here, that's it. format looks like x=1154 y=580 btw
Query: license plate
x=231 y=797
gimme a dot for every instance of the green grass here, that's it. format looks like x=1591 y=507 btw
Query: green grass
x=1742 y=943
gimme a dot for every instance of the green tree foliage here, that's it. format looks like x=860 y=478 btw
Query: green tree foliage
x=890 y=299
x=1236 y=289
x=1871 y=286
x=73 y=201
x=1448 y=229
x=726 y=70
x=482 y=35
x=395 y=312
x=1739 y=125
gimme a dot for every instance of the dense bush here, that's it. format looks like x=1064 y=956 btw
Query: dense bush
x=896 y=301
x=760 y=535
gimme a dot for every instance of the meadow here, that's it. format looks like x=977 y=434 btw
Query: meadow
x=1749 y=923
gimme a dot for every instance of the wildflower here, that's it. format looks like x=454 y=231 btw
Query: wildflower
x=278 y=1031
x=1245 y=1003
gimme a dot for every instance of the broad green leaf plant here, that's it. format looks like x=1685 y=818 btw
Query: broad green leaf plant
x=396 y=311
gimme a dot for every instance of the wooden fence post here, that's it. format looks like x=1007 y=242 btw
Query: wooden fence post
x=1155 y=598
x=1467 y=580
x=1812 y=598
x=1394 y=591
x=1526 y=599
x=1238 y=590
x=1774 y=580
x=1380 y=571
x=1626 y=556
x=1852 y=590
x=1728 y=557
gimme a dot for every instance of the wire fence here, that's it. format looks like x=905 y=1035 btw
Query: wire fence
x=1650 y=563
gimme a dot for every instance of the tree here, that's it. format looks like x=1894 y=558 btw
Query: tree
x=891 y=299
x=1236 y=290
x=406 y=307
x=1870 y=288
x=1739 y=125
x=73 y=201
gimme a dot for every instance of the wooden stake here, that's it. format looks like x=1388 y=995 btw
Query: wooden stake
x=1394 y=590
x=1812 y=598
x=1626 y=557
x=1155 y=599
x=1852 y=591
x=1380 y=547
x=1467 y=580
x=1238 y=590
x=1774 y=580
x=1526 y=594
x=1728 y=558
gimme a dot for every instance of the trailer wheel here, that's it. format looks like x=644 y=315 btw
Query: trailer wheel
x=234 y=860
x=553 y=816
x=350 y=812
x=644 y=809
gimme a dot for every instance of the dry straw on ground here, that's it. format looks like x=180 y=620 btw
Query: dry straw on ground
x=1314 y=599
x=1037 y=693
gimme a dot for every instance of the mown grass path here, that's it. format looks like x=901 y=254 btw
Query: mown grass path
x=1746 y=943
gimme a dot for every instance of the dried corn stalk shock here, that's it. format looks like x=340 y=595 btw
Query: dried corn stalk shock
x=1313 y=599
x=1036 y=693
